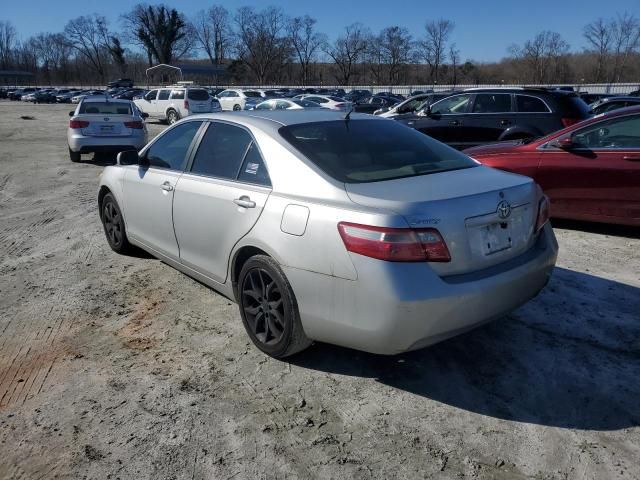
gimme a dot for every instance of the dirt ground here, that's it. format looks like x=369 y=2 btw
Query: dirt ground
x=121 y=367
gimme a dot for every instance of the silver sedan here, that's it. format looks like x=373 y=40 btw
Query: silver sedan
x=352 y=230
x=103 y=124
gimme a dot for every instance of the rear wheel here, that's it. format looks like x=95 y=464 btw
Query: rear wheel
x=113 y=224
x=236 y=108
x=269 y=308
x=74 y=156
x=172 y=117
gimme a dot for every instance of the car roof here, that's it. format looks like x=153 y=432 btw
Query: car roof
x=621 y=97
x=103 y=98
x=274 y=119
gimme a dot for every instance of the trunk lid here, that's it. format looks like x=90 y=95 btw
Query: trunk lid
x=105 y=125
x=463 y=205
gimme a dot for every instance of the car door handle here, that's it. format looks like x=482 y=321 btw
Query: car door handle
x=455 y=123
x=631 y=159
x=167 y=186
x=245 y=202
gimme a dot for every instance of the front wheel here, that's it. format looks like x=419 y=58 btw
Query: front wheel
x=237 y=108
x=113 y=224
x=269 y=309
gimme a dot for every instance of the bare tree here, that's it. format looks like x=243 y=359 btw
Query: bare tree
x=305 y=42
x=7 y=43
x=162 y=32
x=86 y=35
x=598 y=35
x=434 y=44
x=347 y=50
x=396 y=45
x=543 y=55
x=213 y=32
x=454 y=57
x=261 y=44
x=625 y=41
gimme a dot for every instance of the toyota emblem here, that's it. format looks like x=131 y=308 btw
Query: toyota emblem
x=504 y=209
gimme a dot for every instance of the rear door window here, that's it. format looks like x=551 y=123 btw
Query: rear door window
x=164 y=94
x=221 y=151
x=617 y=133
x=492 y=103
x=528 y=104
x=170 y=150
x=253 y=168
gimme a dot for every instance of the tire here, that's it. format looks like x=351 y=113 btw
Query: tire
x=74 y=156
x=237 y=108
x=269 y=309
x=113 y=225
x=172 y=117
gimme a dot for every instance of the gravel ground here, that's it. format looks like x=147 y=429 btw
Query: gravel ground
x=121 y=367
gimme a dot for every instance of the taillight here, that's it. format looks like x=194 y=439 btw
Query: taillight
x=339 y=105
x=78 y=124
x=186 y=104
x=543 y=212
x=136 y=124
x=395 y=244
x=567 y=122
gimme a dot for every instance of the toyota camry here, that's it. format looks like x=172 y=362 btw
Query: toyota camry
x=323 y=226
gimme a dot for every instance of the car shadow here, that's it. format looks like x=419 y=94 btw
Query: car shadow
x=569 y=358
x=601 y=228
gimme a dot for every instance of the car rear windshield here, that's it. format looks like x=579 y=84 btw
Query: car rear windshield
x=106 y=108
x=198 y=94
x=360 y=151
x=572 y=106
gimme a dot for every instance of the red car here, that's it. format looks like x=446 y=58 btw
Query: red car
x=590 y=170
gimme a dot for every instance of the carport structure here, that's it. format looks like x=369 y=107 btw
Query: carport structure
x=163 y=73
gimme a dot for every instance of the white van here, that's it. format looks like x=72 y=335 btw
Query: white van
x=172 y=103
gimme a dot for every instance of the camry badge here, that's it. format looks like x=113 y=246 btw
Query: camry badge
x=504 y=209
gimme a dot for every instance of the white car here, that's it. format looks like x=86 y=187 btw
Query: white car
x=103 y=124
x=236 y=99
x=170 y=104
x=327 y=101
x=286 y=104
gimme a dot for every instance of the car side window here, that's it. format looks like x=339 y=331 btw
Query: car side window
x=317 y=99
x=525 y=103
x=151 y=95
x=455 y=104
x=232 y=94
x=164 y=94
x=617 y=133
x=281 y=105
x=492 y=103
x=177 y=94
x=268 y=105
x=253 y=168
x=221 y=151
x=170 y=150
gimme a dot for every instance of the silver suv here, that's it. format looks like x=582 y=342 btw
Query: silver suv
x=172 y=103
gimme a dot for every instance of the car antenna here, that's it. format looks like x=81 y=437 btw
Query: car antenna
x=347 y=116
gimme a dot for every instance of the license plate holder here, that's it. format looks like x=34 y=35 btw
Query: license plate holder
x=496 y=237
x=106 y=128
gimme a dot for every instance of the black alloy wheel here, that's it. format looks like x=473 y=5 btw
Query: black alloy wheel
x=114 y=225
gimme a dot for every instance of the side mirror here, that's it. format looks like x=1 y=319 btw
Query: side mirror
x=427 y=111
x=128 y=157
x=72 y=113
x=564 y=143
x=144 y=115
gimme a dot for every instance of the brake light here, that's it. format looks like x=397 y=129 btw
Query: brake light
x=543 y=213
x=186 y=104
x=339 y=105
x=395 y=244
x=136 y=124
x=78 y=124
x=567 y=122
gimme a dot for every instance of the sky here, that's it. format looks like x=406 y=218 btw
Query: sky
x=483 y=29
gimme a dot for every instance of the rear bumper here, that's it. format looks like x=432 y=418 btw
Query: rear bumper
x=397 y=307
x=83 y=144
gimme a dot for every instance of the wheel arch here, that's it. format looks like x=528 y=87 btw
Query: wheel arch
x=517 y=132
x=239 y=258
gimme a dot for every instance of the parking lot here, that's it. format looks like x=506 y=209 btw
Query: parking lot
x=122 y=367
